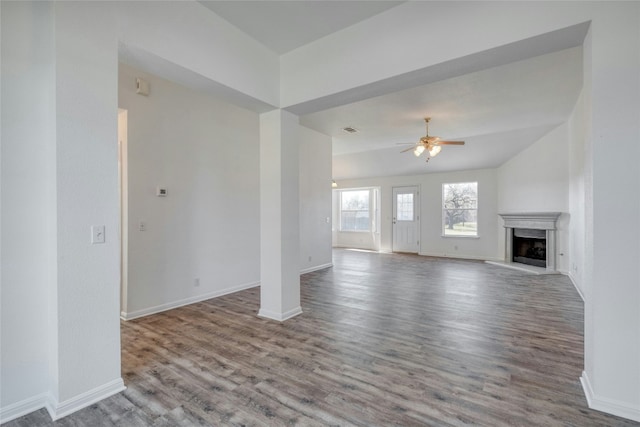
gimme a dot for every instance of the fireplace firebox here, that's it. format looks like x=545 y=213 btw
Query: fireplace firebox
x=530 y=247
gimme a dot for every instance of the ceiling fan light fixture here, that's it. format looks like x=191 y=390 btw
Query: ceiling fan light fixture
x=431 y=144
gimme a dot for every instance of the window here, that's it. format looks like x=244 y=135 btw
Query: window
x=460 y=209
x=354 y=210
x=404 y=207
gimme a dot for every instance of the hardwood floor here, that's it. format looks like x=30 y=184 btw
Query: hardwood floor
x=383 y=340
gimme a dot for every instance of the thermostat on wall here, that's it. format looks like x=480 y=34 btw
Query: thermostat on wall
x=161 y=192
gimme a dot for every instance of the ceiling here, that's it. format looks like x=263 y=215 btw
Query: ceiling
x=497 y=111
x=286 y=25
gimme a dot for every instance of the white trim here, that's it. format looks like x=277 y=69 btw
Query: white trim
x=524 y=267
x=185 y=301
x=69 y=406
x=316 y=268
x=24 y=407
x=363 y=247
x=371 y=209
x=610 y=406
x=575 y=285
x=534 y=220
x=472 y=257
x=415 y=189
x=281 y=317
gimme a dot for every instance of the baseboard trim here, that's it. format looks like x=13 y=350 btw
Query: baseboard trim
x=620 y=409
x=472 y=257
x=316 y=268
x=59 y=410
x=280 y=317
x=575 y=285
x=186 y=301
x=24 y=407
x=363 y=247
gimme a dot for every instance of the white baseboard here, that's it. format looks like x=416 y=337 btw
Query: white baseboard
x=24 y=407
x=186 y=301
x=459 y=256
x=316 y=268
x=575 y=285
x=59 y=410
x=280 y=317
x=620 y=409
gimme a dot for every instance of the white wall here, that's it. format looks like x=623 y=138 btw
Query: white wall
x=28 y=202
x=87 y=300
x=612 y=313
x=315 y=200
x=205 y=152
x=330 y=69
x=187 y=38
x=432 y=242
x=62 y=347
x=577 y=130
x=537 y=180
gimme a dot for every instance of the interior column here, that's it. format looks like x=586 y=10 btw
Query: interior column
x=279 y=216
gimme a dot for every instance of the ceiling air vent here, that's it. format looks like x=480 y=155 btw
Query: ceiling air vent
x=349 y=129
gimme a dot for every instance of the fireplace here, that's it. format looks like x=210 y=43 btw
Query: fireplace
x=531 y=238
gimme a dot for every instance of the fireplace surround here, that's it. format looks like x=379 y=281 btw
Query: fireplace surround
x=531 y=238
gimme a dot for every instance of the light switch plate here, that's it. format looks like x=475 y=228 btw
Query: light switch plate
x=97 y=234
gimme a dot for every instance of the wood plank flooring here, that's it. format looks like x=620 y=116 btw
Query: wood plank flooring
x=383 y=340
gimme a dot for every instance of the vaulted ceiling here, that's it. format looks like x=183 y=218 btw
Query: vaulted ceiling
x=497 y=111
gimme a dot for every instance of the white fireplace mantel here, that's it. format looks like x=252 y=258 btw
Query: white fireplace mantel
x=536 y=221
x=531 y=220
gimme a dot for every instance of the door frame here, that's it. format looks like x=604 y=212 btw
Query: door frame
x=123 y=189
x=417 y=210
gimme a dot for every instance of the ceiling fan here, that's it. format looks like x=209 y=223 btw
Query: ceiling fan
x=431 y=144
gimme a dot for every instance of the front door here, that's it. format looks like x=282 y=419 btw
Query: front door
x=406 y=220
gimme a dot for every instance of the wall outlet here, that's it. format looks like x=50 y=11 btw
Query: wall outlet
x=196 y=282
x=142 y=226
x=455 y=248
x=309 y=257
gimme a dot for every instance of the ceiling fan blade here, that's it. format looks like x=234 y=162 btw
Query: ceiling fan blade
x=408 y=149
x=450 y=143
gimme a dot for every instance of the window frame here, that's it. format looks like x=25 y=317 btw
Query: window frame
x=413 y=207
x=368 y=210
x=476 y=209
